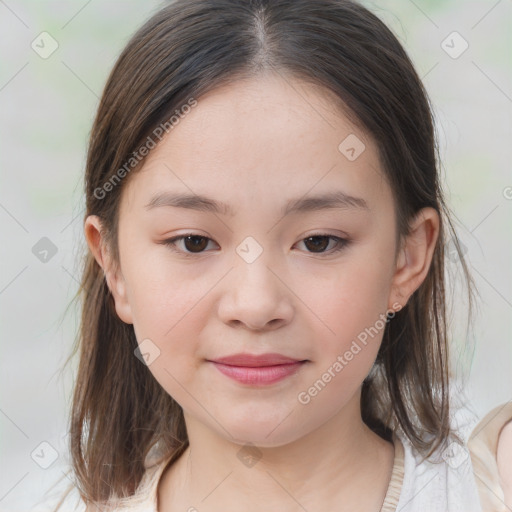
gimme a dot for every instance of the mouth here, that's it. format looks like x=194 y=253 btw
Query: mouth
x=257 y=370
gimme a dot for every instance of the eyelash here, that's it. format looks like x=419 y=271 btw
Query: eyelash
x=342 y=243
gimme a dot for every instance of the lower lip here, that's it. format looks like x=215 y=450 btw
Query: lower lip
x=260 y=375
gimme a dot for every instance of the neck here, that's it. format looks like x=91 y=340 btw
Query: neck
x=343 y=461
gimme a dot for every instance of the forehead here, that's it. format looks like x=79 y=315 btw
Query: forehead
x=269 y=138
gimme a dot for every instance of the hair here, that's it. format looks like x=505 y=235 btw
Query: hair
x=119 y=411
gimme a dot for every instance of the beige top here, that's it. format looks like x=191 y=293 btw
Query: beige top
x=397 y=477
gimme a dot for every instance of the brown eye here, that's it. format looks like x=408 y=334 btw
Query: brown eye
x=192 y=244
x=195 y=243
x=319 y=243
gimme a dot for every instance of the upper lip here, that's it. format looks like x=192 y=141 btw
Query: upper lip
x=255 y=360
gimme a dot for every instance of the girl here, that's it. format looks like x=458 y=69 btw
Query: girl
x=264 y=322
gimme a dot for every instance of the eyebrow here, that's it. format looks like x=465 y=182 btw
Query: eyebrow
x=330 y=200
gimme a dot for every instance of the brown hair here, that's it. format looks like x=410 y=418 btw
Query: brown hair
x=119 y=411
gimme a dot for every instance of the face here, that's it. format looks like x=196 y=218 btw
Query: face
x=252 y=278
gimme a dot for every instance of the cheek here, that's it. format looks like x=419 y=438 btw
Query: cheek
x=162 y=295
x=351 y=299
x=347 y=335
x=172 y=318
x=348 y=315
x=169 y=313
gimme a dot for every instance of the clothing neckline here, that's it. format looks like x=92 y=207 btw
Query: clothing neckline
x=392 y=497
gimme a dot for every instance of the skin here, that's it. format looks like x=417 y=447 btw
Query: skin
x=254 y=145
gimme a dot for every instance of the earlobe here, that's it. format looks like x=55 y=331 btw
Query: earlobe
x=415 y=255
x=94 y=235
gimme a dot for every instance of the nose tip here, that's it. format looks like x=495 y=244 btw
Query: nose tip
x=254 y=296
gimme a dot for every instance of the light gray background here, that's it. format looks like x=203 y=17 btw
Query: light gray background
x=47 y=107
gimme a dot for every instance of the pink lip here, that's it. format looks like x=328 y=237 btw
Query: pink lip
x=257 y=369
x=254 y=360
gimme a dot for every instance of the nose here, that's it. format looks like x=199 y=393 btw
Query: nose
x=255 y=296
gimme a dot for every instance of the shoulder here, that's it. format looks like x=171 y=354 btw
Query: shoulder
x=505 y=460
x=488 y=429
x=483 y=447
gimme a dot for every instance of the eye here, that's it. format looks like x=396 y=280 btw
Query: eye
x=196 y=244
x=321 y=241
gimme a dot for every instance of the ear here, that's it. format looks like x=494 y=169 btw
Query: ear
x=415 y=256
x=94 y=234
